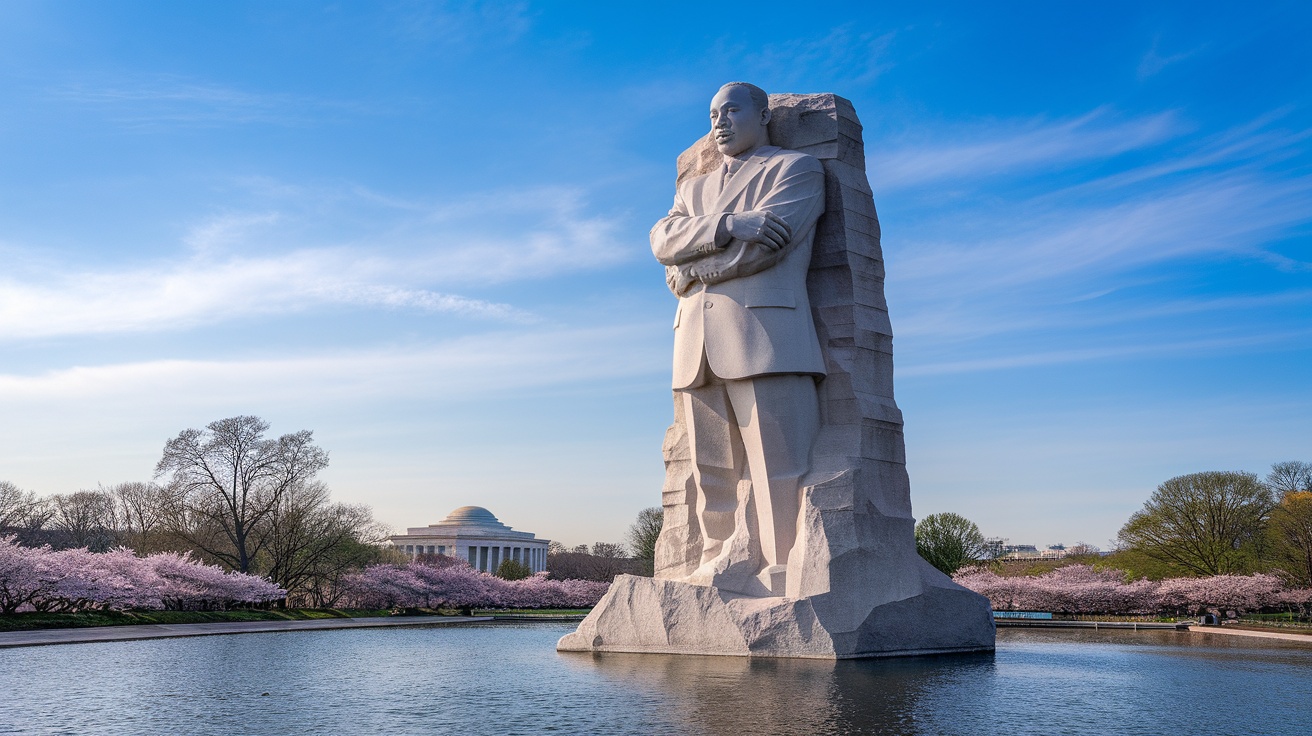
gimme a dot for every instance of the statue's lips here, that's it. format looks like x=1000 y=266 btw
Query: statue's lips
x=723 y=136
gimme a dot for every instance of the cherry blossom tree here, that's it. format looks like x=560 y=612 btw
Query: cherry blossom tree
x=1084 y=589
x=77 y=579
x=26 y=575
x=457 y=585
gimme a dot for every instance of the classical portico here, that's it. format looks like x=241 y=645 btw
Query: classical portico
x=474 y=534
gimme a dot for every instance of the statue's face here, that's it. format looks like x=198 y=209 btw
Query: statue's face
x=737 y=123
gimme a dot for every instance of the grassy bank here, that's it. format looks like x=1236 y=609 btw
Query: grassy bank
x=30 y=621
x=33 y=621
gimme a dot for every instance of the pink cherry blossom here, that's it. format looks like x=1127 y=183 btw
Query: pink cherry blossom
x=76 y=579
x=460 y=586
x=1083 y=589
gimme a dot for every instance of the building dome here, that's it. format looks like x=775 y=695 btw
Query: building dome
x=472 y=515
x=475 y=534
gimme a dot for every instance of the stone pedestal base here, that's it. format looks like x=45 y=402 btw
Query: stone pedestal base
x=671 y=617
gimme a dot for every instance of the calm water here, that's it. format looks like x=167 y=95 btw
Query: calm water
x=508 y=679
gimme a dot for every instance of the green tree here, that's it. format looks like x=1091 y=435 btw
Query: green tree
x=1203 y=524
x=643 y=534
x=513 y=570
x=949 y=541
x=1290 y=529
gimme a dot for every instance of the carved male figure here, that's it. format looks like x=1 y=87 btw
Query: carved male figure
x=737 y=247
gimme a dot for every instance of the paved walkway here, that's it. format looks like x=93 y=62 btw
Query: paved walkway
x=1030 y=623
x=1303 y=638
x=168 y=631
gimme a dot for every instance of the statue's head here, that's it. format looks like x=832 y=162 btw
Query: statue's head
x=739 y=115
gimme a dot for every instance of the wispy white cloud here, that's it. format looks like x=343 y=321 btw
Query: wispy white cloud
x=845 y=56
x=147 y=101
x=1043 y=239
x=1061 y=265
x=996 y=149
x=1154 y=60
x=456 y=370
x=509 y=235
x=1082 y=355
x=316 y=250
x=197 y=291
x=463 y=25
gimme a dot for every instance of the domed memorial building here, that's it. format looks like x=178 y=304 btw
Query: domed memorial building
x=473 y=533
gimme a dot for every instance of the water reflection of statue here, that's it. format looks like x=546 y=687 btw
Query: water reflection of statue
x=737 y=246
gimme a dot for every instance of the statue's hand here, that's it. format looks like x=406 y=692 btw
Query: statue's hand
x=757 y=226
x=680 y=279
x=709 y=275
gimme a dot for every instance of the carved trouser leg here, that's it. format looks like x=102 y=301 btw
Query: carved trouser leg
x=718 y=462
x=766 y=425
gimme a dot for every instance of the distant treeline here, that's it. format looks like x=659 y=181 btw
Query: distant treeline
x=227 y=495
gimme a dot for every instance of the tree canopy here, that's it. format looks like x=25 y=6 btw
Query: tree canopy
x=1290 y=476
x=1203 y=524
x=643 y=534
x=232 y=480
x=1290 y=529
x=949 y=541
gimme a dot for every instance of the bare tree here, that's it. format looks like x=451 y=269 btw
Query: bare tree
x=23 y=513
x=609 y=550
x=85 y=519
x=1291 y=476
x=231 y=479
x=143 y=511
x=310 y=537
x=603 y=562
x=1083 y=549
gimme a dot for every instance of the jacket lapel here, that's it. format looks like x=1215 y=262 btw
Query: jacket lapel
x=722 y=201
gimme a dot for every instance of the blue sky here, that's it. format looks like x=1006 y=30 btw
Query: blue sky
x=420 y=230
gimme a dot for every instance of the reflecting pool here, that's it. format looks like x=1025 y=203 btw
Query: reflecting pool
x=508 y=679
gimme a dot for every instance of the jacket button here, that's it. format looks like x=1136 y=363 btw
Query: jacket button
x=709 y=305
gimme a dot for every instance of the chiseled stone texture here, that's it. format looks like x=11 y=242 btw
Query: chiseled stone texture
x=856 y=587
x=671 y=617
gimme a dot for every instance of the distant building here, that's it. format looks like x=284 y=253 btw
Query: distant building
x=1030 y=552
x=472 y=533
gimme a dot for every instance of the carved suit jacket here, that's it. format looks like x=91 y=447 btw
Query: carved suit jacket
x=744 y=307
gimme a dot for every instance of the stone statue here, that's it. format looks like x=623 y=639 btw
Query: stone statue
x=737 y=248
x=788 y=529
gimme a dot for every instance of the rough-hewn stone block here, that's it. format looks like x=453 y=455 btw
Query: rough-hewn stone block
x=855 y=586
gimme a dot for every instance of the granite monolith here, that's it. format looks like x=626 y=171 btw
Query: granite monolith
x=849 y=583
